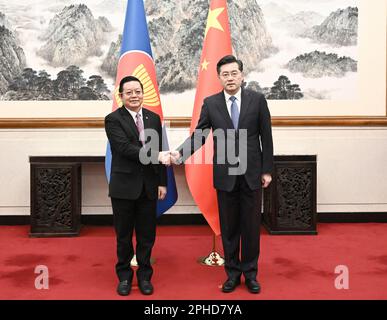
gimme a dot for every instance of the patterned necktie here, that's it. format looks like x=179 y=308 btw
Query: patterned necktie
x=234 y=112
x=140 y=128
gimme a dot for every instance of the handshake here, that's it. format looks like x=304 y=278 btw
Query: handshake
x=170 y=157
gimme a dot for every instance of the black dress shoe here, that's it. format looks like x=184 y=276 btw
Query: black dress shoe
x=253 y=286
x=124 y=288
x=230 y=285
x=145 y=287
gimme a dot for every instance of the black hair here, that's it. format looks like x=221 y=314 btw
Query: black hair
x=229 y=59
x=129 y=79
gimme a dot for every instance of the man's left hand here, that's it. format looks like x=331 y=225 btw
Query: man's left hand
x=162 y=192
x=266 y=179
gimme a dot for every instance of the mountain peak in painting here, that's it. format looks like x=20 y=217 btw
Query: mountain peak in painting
x=178 y=43
x=73 y=35
x=339 y=29
x=4 y=21
x=13 y=59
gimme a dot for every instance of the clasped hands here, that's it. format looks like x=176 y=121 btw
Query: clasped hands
x=169 y=157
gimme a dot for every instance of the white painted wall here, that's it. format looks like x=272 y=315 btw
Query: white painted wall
x=351 y=166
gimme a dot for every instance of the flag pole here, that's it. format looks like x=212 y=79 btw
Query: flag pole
x=216 y=44
x=214 y=259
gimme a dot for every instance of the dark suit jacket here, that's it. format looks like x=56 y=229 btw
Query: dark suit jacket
x=128 y=174
x=255 y=117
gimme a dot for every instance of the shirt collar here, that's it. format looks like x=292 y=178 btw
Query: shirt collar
x=133 y=114
x=237 y=95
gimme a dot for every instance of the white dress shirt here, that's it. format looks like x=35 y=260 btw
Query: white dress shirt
x=133 y=114
x=229 y=102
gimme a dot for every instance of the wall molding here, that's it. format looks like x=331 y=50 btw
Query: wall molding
x=185 y=122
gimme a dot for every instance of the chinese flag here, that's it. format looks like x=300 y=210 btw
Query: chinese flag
x=216 y=44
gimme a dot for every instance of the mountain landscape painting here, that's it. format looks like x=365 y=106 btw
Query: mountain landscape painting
x=68 y=50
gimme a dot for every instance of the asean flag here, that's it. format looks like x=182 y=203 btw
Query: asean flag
x=136 y=60
x=216 y=44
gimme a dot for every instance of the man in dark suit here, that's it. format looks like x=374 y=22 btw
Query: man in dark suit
x=135 y=184
x=240 y=120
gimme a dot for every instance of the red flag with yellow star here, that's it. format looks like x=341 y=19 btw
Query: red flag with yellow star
x=216 y=44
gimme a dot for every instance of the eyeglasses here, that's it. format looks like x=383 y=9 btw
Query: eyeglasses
x=233 y=74
x=135 y=92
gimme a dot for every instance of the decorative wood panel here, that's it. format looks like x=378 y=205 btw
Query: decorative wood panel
x=290 y=201
x=55 y=198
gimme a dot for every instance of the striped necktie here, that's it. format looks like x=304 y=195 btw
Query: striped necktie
x=140 y=128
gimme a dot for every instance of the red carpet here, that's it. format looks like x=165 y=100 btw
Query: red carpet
x=291 y=267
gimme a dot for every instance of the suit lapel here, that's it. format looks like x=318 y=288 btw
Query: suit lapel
x=245 y=104
x=145 y=118
x=128 y=123
x=222 y=106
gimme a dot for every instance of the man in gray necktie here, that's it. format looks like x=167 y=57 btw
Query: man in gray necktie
x=234 y=112
x=237 y=112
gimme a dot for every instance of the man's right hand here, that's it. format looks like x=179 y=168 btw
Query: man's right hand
x=175 y=157
x=266 y=179
x=169 y=157
x=165 y=158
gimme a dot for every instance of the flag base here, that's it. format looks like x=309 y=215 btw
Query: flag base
x=214 y=259
x=133 y=262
